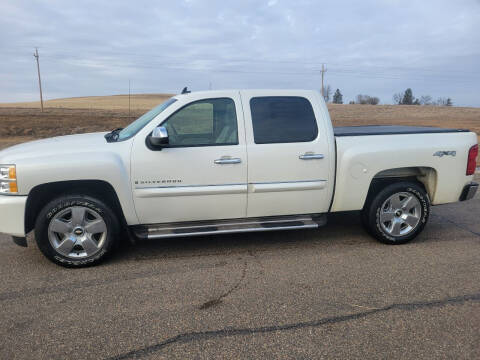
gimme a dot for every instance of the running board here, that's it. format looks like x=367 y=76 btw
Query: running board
x=212 y=227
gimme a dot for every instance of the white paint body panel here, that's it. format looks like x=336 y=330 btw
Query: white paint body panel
x=270 y=180
x=207 y=190
x=287 y=184
x=12 y=215
x=74 y=157
x=360 y=158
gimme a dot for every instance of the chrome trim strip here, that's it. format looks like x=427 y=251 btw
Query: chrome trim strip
x=191 y=190
x=234 y=222
x=232 y=184
x=185 y=186
x=285 y=182
x=287 y=186
x=231 y=231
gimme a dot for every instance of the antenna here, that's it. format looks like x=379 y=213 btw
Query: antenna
x=185 y=90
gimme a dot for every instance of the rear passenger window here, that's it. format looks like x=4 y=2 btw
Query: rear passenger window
x=282 y=119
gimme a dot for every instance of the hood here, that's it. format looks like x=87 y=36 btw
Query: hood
x=54 y=146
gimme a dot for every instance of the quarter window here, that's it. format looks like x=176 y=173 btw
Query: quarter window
x=203 y=123
x=282 y=119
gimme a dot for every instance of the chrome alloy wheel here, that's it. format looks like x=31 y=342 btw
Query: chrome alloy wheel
x=77 y=232
x=400 y=214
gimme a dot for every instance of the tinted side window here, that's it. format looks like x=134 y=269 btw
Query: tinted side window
x=203 y=123
x=282 y=119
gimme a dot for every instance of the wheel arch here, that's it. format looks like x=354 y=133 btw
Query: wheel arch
x=41 y=194
x=425 y=176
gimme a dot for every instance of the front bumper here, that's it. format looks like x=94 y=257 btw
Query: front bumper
x=12 y=215
x=469 y=191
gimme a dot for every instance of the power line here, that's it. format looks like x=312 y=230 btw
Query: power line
x=336 y=68
x=114 y=53
x=300 y=72
x=281 y=71
x=62 y=54
x=209 y=65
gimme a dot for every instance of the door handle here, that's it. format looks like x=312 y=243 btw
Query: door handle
x=311 y=156
x=227 y=160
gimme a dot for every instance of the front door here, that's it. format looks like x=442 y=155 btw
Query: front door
x=202 y=175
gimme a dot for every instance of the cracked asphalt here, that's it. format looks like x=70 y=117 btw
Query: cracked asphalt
x=327 y=293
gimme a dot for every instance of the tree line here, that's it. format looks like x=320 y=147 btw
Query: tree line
x=405 y=98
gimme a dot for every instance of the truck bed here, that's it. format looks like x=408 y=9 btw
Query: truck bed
x=390 y=130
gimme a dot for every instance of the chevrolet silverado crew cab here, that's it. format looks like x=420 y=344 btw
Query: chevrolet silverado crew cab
x=219 y=162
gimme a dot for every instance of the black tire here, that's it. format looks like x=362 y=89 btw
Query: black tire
x=91 y=207
x=380 y=208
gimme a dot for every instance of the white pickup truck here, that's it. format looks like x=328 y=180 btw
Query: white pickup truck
x=220 y=162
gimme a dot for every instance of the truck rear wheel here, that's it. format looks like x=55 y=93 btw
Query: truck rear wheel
x=398 y=213
x=76 y=230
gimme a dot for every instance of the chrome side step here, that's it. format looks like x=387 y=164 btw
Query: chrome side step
x=228 y=226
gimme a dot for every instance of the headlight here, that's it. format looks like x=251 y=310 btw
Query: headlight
x=8 y=179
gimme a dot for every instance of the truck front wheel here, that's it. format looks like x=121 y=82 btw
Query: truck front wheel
x=398 y=213
x=76 y=230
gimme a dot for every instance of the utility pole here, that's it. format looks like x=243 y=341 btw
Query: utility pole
x=128 y=97
x=39 y=80
x=324 y=70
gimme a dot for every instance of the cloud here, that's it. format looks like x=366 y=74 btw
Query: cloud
x=373 y=47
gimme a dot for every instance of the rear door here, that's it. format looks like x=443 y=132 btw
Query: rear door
x=288 y=153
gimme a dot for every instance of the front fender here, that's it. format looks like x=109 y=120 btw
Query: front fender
x=105 y=166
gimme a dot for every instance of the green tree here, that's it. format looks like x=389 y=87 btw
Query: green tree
x=408 y=97
x=449 y=102
x=338 y=97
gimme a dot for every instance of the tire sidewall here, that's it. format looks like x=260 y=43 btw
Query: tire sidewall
x=59 y=204
x=375 y=209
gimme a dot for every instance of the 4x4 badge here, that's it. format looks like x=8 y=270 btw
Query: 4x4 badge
x=445 y=153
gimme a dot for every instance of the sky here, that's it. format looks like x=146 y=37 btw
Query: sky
x=369 y=47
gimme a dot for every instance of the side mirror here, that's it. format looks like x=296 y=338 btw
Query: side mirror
x=159 y=137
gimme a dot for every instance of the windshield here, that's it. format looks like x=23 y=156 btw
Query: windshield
x=143 y=120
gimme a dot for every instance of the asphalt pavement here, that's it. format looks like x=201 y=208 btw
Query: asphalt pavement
x=328 y=293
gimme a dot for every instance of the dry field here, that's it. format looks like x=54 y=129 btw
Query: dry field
x=113 y=102
x=24 y=121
